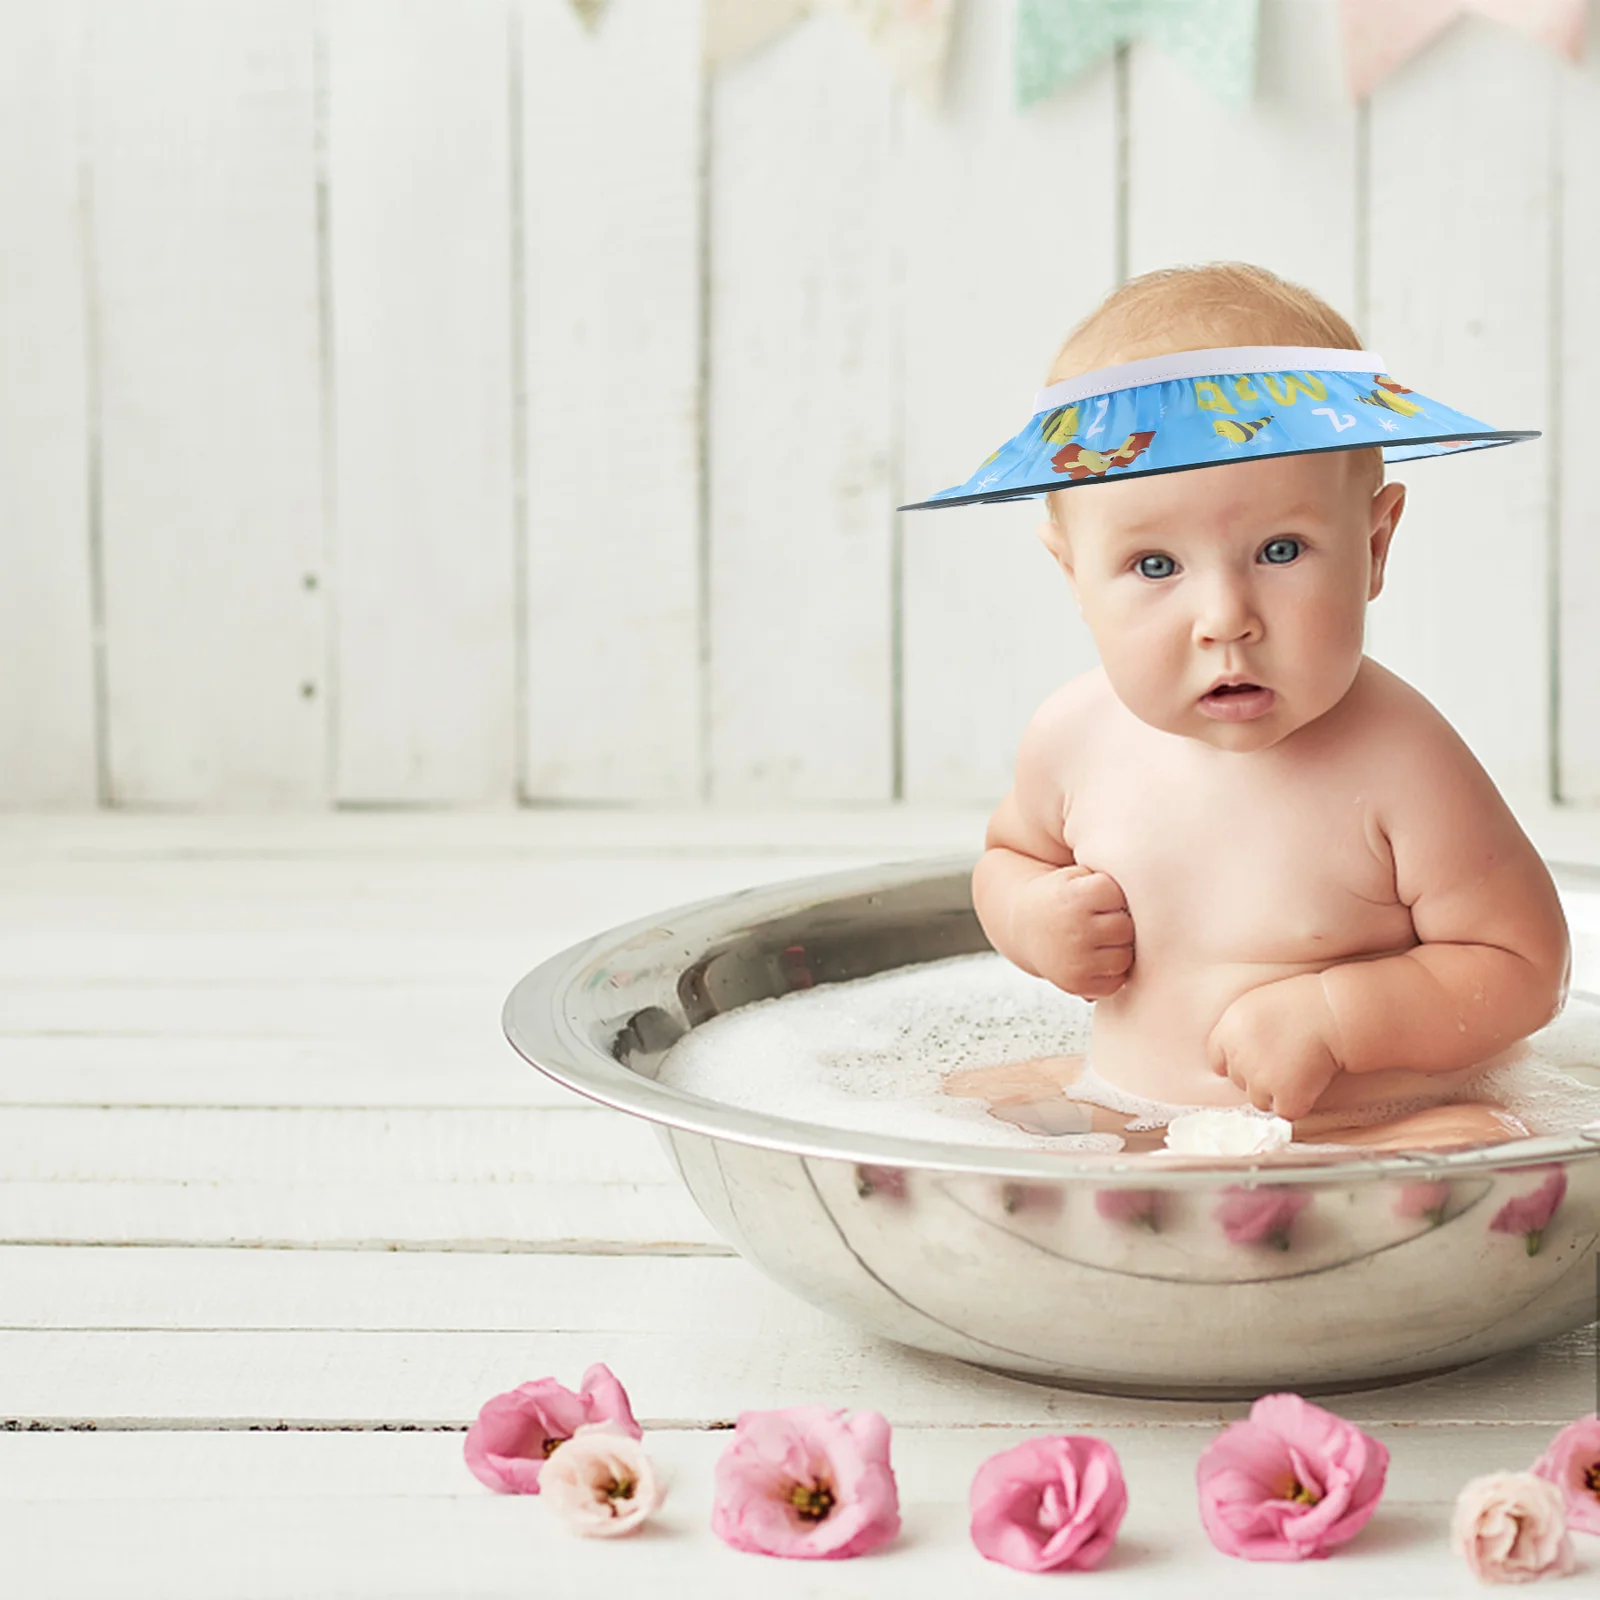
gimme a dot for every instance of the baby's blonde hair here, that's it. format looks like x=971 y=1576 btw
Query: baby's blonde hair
x=1198 y=308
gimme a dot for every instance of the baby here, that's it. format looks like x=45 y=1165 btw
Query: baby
x=1276 y=869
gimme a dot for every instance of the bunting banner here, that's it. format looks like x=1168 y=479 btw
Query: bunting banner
x=1213 y=40
x=912 y=36
x=1380 y=34
x=588 y=12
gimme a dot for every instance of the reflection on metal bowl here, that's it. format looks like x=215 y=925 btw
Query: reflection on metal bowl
x=1093 y=1271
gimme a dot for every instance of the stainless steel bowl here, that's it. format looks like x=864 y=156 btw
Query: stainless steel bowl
x=1095 y=1272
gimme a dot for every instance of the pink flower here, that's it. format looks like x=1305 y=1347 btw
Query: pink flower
x=890 y=1182
x=1530 y=1214
x=1572 y=1464
x=1292 y=1481
x=1423 y=1200
x=1141 y=1206
x=517 y=1432
x=808 y=1483
x=1511 y=1528
x=1049 y=1503
x=1044 y=1199
x=1255 y=1216
x=602 y=1482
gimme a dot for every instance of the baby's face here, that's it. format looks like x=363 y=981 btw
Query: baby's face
x=1228 y=602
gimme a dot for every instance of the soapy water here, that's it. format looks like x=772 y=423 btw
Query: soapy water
x=870 y=1056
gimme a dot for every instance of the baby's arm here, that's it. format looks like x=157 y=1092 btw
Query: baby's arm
x=1491 y=966
x=1493 y=962
x=1040 y=908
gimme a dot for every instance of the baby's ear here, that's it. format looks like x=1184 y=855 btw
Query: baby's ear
x=1054 y=538
x=1387 y=504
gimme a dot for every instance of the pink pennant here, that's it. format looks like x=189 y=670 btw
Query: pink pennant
x=1380 y=34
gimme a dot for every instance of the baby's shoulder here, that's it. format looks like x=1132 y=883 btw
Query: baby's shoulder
x=1411 y=758
x=1397 y=724
x=1066 y=722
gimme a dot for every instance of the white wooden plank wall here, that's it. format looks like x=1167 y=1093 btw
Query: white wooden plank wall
x=419 y=186
x=1008 y=228
x=803 y=366
x=47 y=714
x=1576 y=652
x=459 y=402
x=612 y=247
x=1275 y=184
x=203 y=271
x=1461 y=292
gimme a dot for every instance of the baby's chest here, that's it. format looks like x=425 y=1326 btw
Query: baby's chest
x=1225 y=872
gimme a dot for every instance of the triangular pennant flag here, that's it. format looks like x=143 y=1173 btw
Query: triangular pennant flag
x=1215 y=41
x=913 y=37
x=738 y=28
x=1380 y=34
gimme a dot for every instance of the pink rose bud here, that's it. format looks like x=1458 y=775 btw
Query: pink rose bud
x=1572 y=1464
x=1049 y=1504
x=1530 y=1214
x=1291 y=1482
x=602 y=1482
x=1142 y=1207
x=1038 y=1199
x=807 y=1483
x=1423 y=1200
x=1511 y=1528
x=1261 y=1216
x=890 y=1182
x=517 y=1432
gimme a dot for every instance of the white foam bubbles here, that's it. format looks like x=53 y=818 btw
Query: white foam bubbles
x=870 y=1055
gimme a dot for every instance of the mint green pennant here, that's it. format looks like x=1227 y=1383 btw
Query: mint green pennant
x=1215 y=40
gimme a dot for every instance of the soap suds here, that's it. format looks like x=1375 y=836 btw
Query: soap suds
x=870 y=1055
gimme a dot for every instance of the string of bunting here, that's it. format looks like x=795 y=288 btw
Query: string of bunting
x=1215 y=41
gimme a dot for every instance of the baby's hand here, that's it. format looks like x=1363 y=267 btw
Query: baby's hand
x=1072 y=927
x=1276 y=1043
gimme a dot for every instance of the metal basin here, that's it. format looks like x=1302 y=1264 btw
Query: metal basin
x=1091 y=1271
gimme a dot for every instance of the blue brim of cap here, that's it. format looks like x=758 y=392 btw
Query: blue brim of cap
x=1183 y=423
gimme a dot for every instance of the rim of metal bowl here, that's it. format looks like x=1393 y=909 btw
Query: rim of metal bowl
x=541 y=1020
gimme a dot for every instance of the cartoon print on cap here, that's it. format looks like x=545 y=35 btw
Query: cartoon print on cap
x=1240 y=432
x=1387 y=394
x=1079 y=463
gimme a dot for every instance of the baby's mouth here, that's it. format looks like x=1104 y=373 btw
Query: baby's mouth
x=1237 y=702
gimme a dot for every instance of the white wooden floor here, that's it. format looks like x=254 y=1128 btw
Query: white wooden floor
x=280 y=1209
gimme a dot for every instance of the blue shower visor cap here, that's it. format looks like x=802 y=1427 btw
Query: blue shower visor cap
x=1203 y=408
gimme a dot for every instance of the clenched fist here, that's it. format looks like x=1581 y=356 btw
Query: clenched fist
x=1277 y=1043
x=1072 y=926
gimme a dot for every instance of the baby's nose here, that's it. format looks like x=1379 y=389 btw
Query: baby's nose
x=1226 y=614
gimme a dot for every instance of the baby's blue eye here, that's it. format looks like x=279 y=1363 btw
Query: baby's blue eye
x=1281 y=551
x=1157 y=566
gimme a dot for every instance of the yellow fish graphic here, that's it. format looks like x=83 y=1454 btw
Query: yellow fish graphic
x=1388 y=395
x=1241 y=432
x=1060 y=424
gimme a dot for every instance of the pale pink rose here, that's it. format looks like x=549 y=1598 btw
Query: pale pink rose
x=1511 y=1528
x=808 y=1483
x=1261 y=1216
x=1572 y=1464
x=602 y=1482
x=517 y=1432
x=1141 y=1206
x=1530 y=1214
x=1423 y=1200
x=1291 y=1482
x=1048 y=1504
